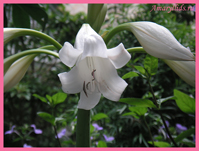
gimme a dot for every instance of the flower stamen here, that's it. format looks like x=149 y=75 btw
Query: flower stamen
x=92 y=73
x=84 y=89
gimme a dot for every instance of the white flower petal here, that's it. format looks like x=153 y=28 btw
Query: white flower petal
x=84 y=31
x=71 y=81
x=159 y=42
x=68 y=54
x=89 y=102
x=94 y=46
x=90 y=42
x=184 y=69
x=110 y=84
x=119 y=56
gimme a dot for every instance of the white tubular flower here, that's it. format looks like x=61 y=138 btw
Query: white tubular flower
x=184 y=69
x=9 y=33
x=159 y=42
x=17 y=71
x=95 y=67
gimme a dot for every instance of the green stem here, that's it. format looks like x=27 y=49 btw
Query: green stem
x=48 y=47
x=83 y=128
x=148 y=130
x=8 y=61
x=16 y=32
x=112 y=32
x=55 y=129
x=136 y=50
x=165 y=125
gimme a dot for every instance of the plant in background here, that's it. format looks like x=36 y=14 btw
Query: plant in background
x=94 y=73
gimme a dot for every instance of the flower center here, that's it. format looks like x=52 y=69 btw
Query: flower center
x=92 y=84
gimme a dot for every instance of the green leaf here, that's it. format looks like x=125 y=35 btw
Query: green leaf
x=47 y=117
x=188 y=142
x=101 y=144
x=160 y=101
x=132 y=114
x=140 y=111
x=59 y=119
x=36 y=12
x=140 y=69
x=59 y=98
x=130 y=75
x=99 y=116
x=49 y=98
x=160 y=144
x=43 y=99
x=184 y=102
x=20 y=18
x=185 y=134
x=92 y=128
x=138 y=102
x=151 y=64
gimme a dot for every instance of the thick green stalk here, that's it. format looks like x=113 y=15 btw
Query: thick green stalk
x=112 y=32
x=83 y=128
x=10 y=33
x=8 y=61
x=136 y=50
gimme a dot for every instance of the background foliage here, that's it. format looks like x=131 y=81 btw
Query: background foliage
x=126 y=126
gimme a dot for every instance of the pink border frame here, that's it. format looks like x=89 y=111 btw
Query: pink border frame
x=94 y=1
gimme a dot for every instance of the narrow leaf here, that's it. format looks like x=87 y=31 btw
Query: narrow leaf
x=160 y=101
x=140 y=69
x=185 y=134
x=41 y=98
x=140 y=111
x=138 y=102
x=132 y=114
x=130 y=75
x=160 y=144
x=47 y=117
x=99 y=116
x=49 y=98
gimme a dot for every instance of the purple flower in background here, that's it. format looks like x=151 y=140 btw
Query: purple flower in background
x=37 y=131
x=180 y=128
x=97 y=127
x=167 y=123
x=61 y=133
x=194 y=8
x=108 y=139
x=26 y=146
x=12 y=131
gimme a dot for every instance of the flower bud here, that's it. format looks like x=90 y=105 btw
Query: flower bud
x=17 y=71
x=184 y=69
x=159 y=42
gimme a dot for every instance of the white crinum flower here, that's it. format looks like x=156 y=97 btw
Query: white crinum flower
x=159 y=42
x=184 y=69
x=95 y=67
